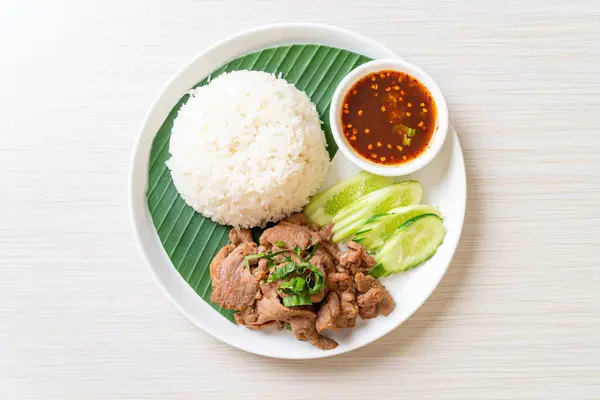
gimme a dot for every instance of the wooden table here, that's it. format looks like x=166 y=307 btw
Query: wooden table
x=516 y=317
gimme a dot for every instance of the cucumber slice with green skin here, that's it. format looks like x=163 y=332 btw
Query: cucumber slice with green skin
x=352 y=217
x=324 y=206
x=380 y=227
x=415 y=242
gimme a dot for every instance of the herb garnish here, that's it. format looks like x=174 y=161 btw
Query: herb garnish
x=302 y=285
x=262 y=255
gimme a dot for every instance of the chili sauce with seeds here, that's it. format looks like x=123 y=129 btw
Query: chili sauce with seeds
x=388 y=117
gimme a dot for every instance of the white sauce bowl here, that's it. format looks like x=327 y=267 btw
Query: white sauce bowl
x=439 y=133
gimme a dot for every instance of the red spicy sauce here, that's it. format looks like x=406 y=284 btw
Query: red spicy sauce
x=388 y=117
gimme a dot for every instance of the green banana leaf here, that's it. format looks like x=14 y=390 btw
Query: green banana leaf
x=191 y=240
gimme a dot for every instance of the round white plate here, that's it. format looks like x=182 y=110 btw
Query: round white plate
x=443 y=180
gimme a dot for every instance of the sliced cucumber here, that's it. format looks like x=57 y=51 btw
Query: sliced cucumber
x=352 y=217
x=412 y=244
x=380 y=227
x=323 y=207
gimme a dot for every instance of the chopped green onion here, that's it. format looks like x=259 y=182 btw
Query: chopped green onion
x=404 y=130
x=308 y=280
x=282 y=272
x=271 y=255
x=299 y=285
x=287 y=284
x=295 y=285
x=319 y=278
x=301 y=269
x=295 y=300
x=312 y=252
x=319 y=284
x=406 y=141
x=252 y=257
x=262 y=255
x=280 y=243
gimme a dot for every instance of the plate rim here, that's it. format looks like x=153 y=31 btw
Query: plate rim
x=141 y=154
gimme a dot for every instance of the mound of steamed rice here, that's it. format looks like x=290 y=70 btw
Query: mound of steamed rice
x=247 y=149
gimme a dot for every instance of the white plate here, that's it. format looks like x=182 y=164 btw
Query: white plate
x=444 y=182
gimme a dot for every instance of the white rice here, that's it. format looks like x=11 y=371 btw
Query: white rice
x=247 y=149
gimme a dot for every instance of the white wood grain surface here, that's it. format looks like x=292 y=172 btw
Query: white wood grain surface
x=516 y=317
